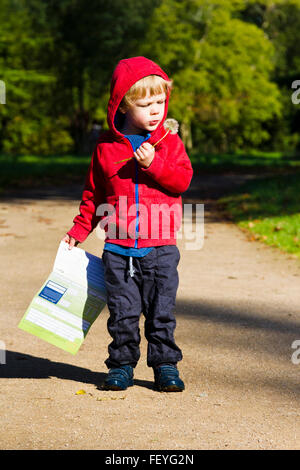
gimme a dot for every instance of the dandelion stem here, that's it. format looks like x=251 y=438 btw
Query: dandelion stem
x=162 y=138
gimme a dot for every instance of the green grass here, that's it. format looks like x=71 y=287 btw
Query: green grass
x=269 y=208
x=241 y=161
x=30 y=171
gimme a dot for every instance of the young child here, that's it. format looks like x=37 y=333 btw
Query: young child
x=140 y=256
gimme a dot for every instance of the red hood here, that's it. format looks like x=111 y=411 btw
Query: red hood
x=126 y=73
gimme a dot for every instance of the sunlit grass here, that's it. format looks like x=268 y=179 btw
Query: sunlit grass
x=269 y=209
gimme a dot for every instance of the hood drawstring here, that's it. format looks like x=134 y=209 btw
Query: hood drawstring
x=131 y=268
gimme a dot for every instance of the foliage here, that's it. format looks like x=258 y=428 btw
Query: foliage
x=28 y=83
x=221 y=67
x=41 y=137
x=56 y=58
x=233 y=63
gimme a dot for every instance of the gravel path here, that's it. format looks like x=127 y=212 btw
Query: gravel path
x=237 y=317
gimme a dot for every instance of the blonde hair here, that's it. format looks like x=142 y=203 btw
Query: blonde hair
x=154 y=83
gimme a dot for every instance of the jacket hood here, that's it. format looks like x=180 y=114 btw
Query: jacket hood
x=126 y=73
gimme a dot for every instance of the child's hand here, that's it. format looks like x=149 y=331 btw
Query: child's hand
x=145 y=154
x=70 y=240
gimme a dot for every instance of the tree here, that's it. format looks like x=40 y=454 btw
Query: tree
x=26 y=116
x=91 y=37
x=57 y=58
x=280 y=21
x=221 y=68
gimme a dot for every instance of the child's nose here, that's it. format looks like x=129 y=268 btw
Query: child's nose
x=154 y=109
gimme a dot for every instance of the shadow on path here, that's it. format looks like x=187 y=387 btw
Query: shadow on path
x=24 y=366
x=241 y=328
x=71 y=192
x=205 y=189
x=242 y=315
x=203 y=186
x=253 y=331
x=256 y=328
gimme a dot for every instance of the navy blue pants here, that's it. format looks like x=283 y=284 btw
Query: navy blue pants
x=151 y=291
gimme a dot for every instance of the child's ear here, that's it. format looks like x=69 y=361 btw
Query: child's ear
x=122 y=110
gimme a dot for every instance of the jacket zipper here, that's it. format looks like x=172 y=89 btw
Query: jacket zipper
x=136 y=194
x=137 y=204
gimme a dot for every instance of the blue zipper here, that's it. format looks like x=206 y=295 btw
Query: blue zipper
x=137 y=204
x=136 y=194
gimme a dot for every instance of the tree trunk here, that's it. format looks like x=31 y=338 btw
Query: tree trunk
x=80 y=123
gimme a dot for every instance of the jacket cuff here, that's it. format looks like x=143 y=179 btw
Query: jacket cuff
x=78 y=232
x=155 y=168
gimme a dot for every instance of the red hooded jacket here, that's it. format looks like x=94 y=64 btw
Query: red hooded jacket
x=137 y=207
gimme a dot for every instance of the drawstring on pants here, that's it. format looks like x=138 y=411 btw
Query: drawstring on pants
x=131 y=268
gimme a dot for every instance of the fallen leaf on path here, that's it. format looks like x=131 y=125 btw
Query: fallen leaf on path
x=254 y=238
x=80 y=392
x=110 y=398
x=43 y=398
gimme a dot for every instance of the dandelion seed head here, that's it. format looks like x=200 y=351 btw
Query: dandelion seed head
x=171 y=125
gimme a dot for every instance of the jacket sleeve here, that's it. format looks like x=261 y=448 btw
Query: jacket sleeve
x=171 y=166
x=93 y=195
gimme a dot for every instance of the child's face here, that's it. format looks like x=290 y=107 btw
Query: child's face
x=145 y=114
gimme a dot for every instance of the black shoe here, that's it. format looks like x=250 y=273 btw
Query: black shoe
x=119 y=378
x=166 y=379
